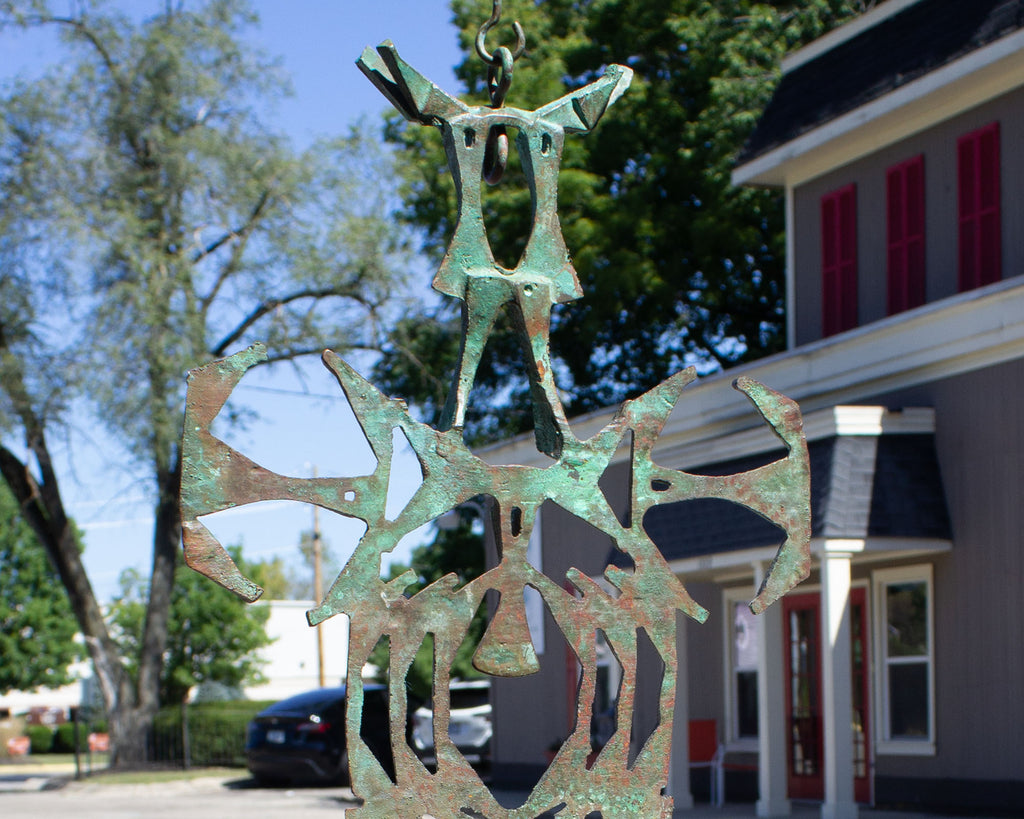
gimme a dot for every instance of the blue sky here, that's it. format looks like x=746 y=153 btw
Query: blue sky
x=319 y=41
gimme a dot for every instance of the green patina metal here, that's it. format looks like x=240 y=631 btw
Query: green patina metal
x=217 y=477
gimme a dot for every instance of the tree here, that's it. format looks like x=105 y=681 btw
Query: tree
x=302 y=580
x=151 y=222
x=272 y=575
x=212 y=635
x=286 y=581
x=678 y=266
x=37 y=628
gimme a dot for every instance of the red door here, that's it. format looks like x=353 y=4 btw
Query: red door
x=802 y=613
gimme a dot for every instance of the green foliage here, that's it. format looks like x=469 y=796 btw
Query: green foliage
x=188 y=228
x=272 y=575
x=678 y=266
x=64 y=738
x=151 y=222
x=459 y=551
x=37 y=626
x=213 y=636
x=41 y=738
x=295 y=580
x=216 y=732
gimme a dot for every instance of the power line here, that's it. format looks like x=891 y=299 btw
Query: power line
x=298 y=393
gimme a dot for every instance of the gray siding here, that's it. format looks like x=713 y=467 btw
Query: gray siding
x=938 y=145
x=704 y=661
x=979 y=622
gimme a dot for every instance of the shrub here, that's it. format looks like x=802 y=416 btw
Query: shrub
x=64 y=738
x=216 y=733
x=41 y=738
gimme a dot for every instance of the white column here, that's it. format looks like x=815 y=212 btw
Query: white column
x=679 y=760
x=837 y=705
x=771 y=709
x=790 y=267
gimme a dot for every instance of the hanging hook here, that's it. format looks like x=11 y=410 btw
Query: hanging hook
x=481 y=48
x=499 y=76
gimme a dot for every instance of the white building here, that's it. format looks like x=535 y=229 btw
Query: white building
x=291 y=659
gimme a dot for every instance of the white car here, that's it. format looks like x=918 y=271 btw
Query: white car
x=469 y=724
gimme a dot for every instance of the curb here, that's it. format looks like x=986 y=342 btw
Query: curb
x=30 y=783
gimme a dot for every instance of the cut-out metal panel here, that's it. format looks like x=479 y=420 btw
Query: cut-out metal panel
x=640 y=600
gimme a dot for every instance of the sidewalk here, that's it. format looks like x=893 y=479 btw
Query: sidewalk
x=28 y=778
x=804 y=810
x=800 y=810
x=32 y=781
x=19 y=777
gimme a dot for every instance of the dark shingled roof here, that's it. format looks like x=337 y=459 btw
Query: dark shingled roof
x=896 y=51
x=861 y=486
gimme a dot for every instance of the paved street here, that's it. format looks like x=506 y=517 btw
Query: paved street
x=202 y=798
x=237 y=797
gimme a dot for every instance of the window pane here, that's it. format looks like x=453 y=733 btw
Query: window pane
x=908 y=701
x=906 y=605
x=744 y=662
x=746 y=703
x=744 y=657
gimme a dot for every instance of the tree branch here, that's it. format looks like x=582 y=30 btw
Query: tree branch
x=108 y=60
x=240 y=232
x=268 y=306
x=298 y=352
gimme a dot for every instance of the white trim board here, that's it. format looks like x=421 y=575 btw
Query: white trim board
x=965 y=332
x=722 y=567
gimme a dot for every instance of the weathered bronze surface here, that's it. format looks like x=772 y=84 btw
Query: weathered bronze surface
x=217 y=477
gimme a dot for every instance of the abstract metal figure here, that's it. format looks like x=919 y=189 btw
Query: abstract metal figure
x=544 y=275
x=217 y=477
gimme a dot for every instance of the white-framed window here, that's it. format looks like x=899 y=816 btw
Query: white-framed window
x=742 y=633
x=905 y=660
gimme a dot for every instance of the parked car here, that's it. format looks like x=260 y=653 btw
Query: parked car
x=302 y=739
x=469 y=724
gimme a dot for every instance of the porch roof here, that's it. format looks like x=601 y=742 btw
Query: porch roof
x=863 y=487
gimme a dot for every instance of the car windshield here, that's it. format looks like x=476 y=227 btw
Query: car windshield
x=469 y=697
x=311 y=701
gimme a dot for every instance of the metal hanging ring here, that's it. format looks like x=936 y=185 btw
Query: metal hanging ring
x=481 y=47
x=499 y=76
x=495 y=154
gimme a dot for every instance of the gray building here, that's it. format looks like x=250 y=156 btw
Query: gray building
x=895 y=673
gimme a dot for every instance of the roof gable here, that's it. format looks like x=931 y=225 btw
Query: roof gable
x=898 y=50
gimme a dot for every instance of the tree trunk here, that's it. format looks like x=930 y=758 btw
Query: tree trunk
x=130 y=707
x=129 y=734
x=43 y=508
x=166 y=549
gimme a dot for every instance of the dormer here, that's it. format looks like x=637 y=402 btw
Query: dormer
x=894 y=138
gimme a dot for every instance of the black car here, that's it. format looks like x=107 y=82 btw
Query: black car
x=302 y=739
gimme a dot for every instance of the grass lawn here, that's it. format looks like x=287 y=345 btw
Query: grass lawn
x=99 y=760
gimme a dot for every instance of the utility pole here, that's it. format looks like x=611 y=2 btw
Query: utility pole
x=318 y=588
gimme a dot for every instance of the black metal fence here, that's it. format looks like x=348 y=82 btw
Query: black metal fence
x=201 y=734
